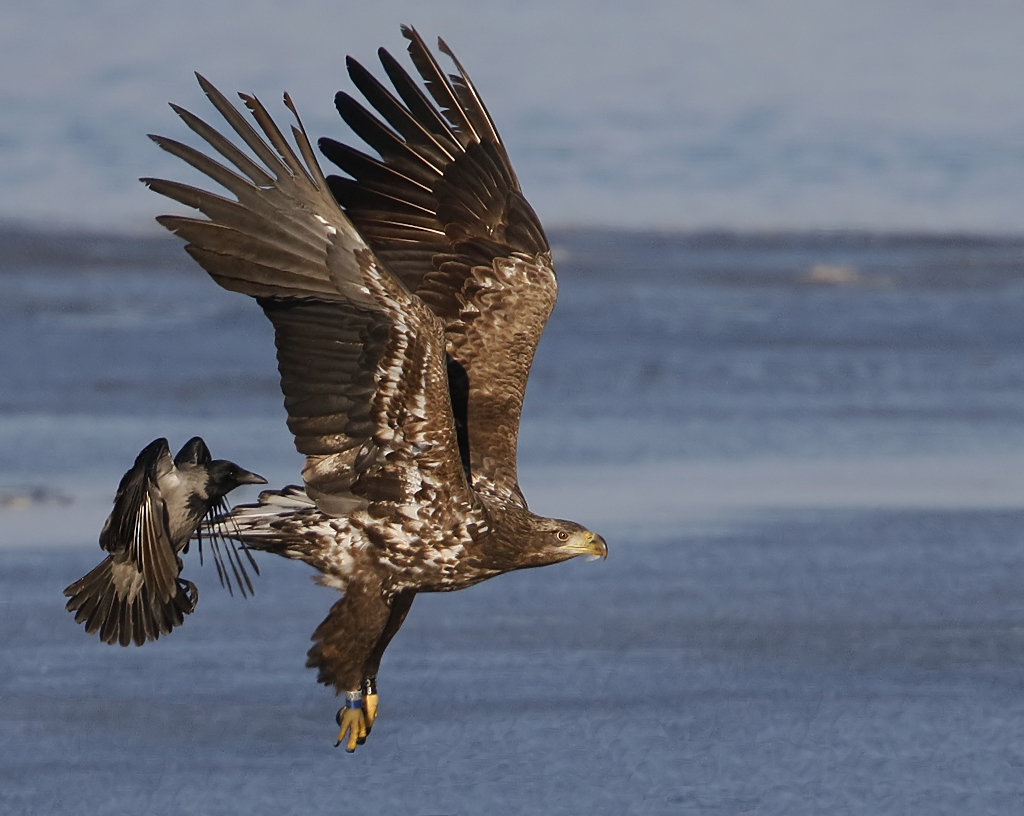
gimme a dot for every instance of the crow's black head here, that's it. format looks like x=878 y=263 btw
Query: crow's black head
x=225 y=476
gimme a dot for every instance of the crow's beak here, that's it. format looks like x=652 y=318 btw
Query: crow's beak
x=247 y=477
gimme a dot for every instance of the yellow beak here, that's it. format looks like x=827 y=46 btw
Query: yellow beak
x=595 y=546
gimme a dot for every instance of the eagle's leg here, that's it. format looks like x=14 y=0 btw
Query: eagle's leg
x=400 y=604
x=352 y=727
x=370 y=704
x=342 y=644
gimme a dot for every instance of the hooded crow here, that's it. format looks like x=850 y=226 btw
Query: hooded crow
x=136 y=593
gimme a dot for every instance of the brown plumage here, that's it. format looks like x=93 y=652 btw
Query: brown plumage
x=405 y=328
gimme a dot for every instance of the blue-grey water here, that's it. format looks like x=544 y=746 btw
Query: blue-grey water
x=805 y=451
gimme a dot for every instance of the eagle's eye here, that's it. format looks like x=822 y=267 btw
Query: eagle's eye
x=563 y=535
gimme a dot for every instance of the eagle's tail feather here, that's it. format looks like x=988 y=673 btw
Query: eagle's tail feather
x=275 y=522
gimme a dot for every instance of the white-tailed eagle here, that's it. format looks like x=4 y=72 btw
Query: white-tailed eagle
x=407 y=301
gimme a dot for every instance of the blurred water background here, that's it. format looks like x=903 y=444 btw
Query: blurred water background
x=783 y=114
x=805 y=452
x=784 y=378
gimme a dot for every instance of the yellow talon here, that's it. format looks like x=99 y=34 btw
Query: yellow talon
x=352 y=721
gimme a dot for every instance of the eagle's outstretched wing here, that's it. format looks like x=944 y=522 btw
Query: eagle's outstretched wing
x=362 y=361
x=443 y=210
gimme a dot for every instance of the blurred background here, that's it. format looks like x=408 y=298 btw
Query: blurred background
x=787 y=114
x=784 y=379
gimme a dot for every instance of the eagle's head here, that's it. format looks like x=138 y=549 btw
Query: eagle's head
x=554 y=540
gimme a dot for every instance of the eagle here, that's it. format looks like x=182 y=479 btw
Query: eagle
x=407 y=298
